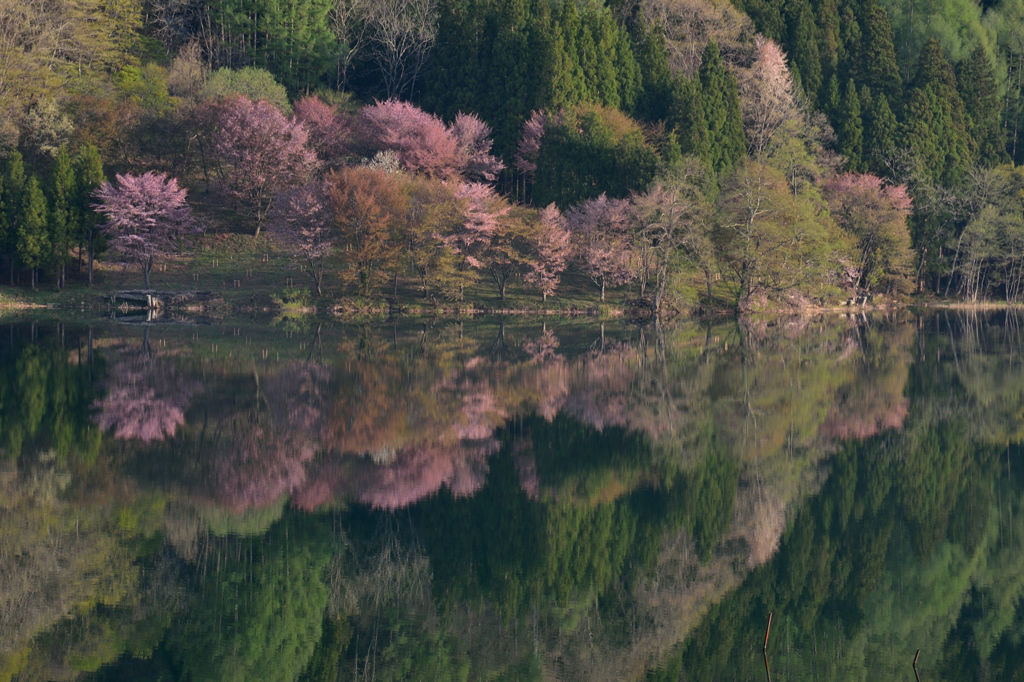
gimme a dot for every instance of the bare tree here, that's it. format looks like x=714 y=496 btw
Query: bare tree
x=351 y=26
x=400 y=36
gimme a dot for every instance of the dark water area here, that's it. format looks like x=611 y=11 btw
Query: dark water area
x=513 y=501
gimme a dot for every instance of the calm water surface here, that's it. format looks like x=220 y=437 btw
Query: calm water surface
x=513 y=501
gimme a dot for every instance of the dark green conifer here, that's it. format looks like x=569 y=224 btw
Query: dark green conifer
x=33 y=240
x=89 y=176
x=851 y=129
x=976 y=83
x=686 y=118
x=880 y=130
x=63 y=222
x=720 y=97
x=14 y=176
x=877 y=58
x=453 y=80
x=652 y=64
x=803 y=46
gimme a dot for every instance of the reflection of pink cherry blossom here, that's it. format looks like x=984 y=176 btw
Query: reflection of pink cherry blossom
x=146 y=399
x=267 y=450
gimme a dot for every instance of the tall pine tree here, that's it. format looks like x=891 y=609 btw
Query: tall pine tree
x=14 y=176
x=876 y=65
x=976 y=83
x=851 y=129
x=63 y=219
x=880 y=130
x=89 y=176
x=720 y=97
x=33 y=240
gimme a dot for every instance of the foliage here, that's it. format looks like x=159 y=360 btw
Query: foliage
x=589 y=151
x=253 y=83
x=264 y=153
x=146 y=216
x=876 y=216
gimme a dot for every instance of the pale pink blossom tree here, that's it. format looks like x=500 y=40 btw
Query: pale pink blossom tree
x=302 y=219
x=263 y=152
x=474 y=141
x=493 y=238
x=767 y=95
x=423 y=142
x=529 y=143
x=554 y=247
x=145 y=216
x=600 y=230
x=875 y=215
x=330 y=131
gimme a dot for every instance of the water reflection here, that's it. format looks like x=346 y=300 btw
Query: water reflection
x=484 y=500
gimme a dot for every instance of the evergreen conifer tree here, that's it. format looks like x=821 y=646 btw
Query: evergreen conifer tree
x=15 y=187
x=63 y=219
x=877 y=58
x=630 y=81
x=89 y=176
x=829 y=41
x=976 y=83
x=935 y=125
x=851 y=129
x=33 y=240
x=880 y=130
x=453 y=79
x=803 y=46
x=652 y=64
x=720 y=97
x=686 y=118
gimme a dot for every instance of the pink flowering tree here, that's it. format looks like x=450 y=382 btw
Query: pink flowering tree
x=554 y=247
x=330 y=131
x=146 y=397
x=302 y=220
x=600 y=230
x=424 y=144
x=145 y=216
x=875 y=215
x=422 y=141
x=494 y=239
x=263 y=153
x=474 y=140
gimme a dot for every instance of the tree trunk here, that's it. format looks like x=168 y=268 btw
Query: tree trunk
x=146 y=267
x=602 y=290
x=33 y=279
x=501 y=290
x=11 y=260
x=90 y=262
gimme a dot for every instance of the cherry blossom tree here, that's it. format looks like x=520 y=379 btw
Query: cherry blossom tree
x=145 y=216
x=875 y=214
x=600 y=232
x=424 y=144
x=493 y=238
x=330 y=131
x=263 y=152
x=529 y=143
x=302 y=219
x=474 y=141
x=554 y=247
x=766 y=95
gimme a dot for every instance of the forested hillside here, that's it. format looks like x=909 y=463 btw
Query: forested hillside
x=690 y=153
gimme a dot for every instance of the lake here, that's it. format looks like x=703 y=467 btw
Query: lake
x=517 y=500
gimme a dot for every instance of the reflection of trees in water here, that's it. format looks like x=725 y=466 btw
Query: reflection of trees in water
x=261 y=451
x=147 y=395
